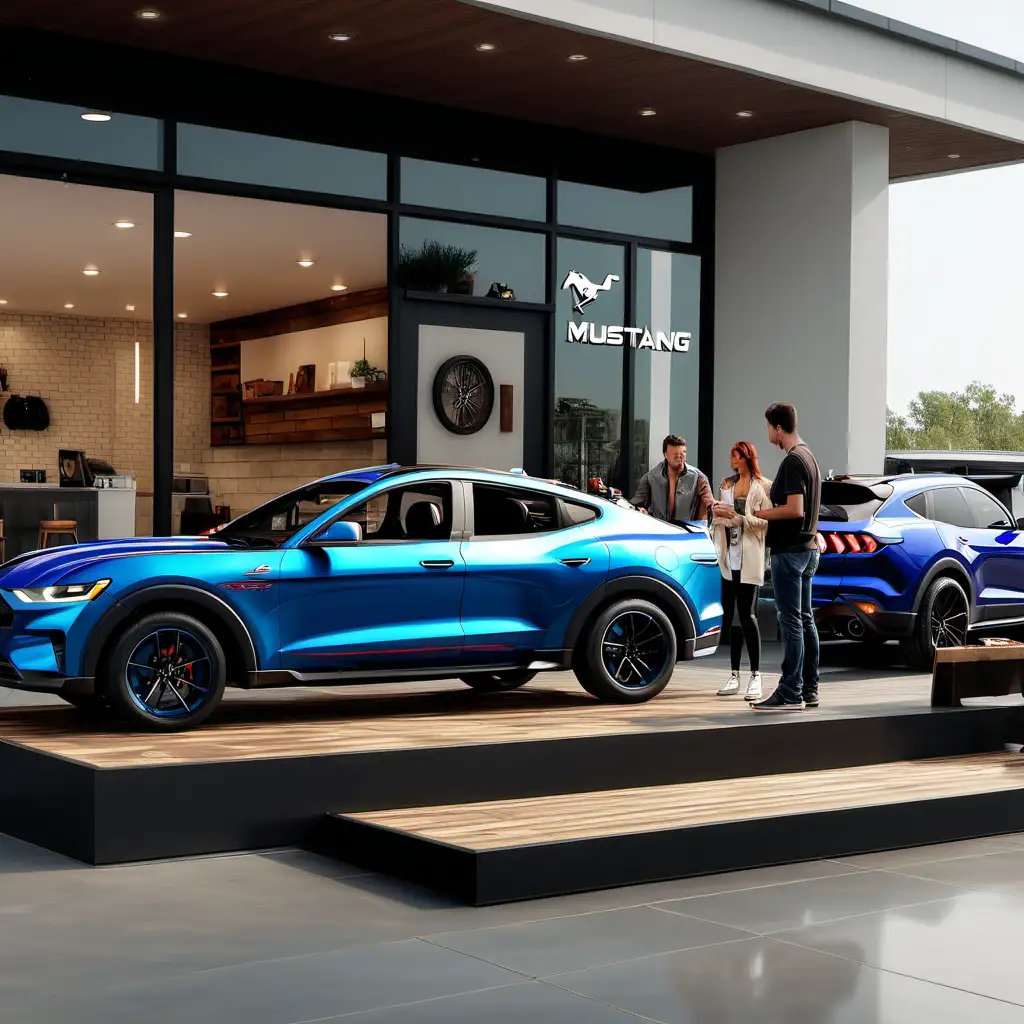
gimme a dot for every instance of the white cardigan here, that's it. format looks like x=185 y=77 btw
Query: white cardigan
x=754 y=531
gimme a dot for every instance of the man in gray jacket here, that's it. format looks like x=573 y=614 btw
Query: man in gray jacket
x=673 y=490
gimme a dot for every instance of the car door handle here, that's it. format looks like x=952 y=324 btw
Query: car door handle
x=437 y=563
x=964 y=540
x=575 y=562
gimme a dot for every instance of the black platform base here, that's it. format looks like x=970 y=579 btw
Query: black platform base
x=487 y=877
x=104 y=815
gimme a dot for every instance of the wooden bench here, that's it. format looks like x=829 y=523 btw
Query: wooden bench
x=986 y=671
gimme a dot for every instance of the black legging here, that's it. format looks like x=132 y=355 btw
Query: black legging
x=744 y=596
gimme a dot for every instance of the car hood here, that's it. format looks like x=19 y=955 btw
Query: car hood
x=43 y=568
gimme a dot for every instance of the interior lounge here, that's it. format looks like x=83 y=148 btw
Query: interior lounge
x=280 y=356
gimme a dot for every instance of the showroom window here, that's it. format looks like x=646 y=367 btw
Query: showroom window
x=282 y=163
x=79 y=133
x=664 y=213
x=588 y=370
x=473 y=190
x=666 y=384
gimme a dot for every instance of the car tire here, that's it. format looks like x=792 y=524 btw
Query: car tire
x=498 y=682
x=628 y=654
x=944 y=602
x=165 y=673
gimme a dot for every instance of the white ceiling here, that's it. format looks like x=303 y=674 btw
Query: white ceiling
x=51 y=231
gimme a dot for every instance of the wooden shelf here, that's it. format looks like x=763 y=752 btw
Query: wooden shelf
x=229 y=368
x=216 y=346
x=227 y=419
x=337 y=396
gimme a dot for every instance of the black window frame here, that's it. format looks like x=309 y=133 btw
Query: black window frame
x=564 y=521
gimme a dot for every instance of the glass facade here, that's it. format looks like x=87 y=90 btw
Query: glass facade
x=473 y=190
x=56 y=130
x=280 y=163
x=588 y=372
x=514 y=259
x=666 y=213
x=666 y=384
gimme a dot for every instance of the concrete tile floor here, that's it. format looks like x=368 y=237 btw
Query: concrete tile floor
x=283 y=937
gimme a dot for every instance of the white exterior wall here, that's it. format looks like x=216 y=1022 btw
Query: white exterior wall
x=801 y=293
x=802 y=47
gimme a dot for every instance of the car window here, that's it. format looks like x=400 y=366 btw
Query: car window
x=919 y=504
x=417 y=512
x=950 y=506
x=272 y=524
x=512 y=511
x=580 y=513
x=988 y=513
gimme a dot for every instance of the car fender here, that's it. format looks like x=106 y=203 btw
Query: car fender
x=633 y=586
x=126 y=606
x=944 y=565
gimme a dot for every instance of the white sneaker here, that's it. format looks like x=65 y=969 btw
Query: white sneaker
x=753 y=687
x=732 y=687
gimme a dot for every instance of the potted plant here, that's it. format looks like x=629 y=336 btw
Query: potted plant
x=363 y=371
x=435 y=267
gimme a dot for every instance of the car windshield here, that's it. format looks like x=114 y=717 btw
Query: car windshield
x=270 y=525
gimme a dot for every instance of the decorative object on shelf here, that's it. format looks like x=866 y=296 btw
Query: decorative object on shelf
x=364 y=372
x=463 y=394
x=305 y=382
x=26 y=412
x=437 y=268
x=291 y=383
x=262 y=388
x=501 y=291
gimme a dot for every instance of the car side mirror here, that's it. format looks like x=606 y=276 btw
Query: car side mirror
x=341 y=531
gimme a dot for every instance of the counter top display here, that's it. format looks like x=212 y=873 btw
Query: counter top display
x=101 y=513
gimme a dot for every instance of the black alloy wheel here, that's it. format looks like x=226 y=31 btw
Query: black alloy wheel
x=943 y=620
x=628 y=654
x=463 y=394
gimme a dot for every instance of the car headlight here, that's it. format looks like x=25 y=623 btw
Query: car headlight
x=66 y=593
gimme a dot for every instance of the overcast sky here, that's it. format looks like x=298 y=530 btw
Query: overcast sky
x=955 y=286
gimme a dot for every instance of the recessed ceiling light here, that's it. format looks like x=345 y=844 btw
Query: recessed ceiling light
x=182 y=234
x=69 y=305
x=124 y=224
x=130 y=309
x=577 y=56
x=647 y=112
x=744 y=113
x=954 y=156
x=340 y=37
x=3 y=302
x=339 y=287
x=486 y=47
x=305 y=263
x=148 y=14
x=95 y=116
x=220 y=295
x=91 y=272
x=182 y=316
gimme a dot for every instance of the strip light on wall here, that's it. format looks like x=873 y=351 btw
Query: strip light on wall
x=136 y=357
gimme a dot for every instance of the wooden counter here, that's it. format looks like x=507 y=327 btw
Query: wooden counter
x=340 y=415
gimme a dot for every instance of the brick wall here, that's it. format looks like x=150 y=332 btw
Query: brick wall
x=249 y=475
x=84 y=369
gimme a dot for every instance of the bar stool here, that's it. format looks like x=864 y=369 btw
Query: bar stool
x=57 y=528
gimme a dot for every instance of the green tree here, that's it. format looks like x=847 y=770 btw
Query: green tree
x=974 y=419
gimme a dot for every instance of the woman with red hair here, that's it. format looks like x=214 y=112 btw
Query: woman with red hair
x=739 y=538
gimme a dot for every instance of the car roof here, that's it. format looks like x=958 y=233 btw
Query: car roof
x=904 y=482
x=373 y=474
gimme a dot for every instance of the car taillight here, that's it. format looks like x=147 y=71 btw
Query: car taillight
x=848 y=544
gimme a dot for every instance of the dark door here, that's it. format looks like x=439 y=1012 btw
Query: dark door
x=509 y=343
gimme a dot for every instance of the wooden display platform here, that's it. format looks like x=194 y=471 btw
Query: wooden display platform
x=270 y=768
x=505 y=850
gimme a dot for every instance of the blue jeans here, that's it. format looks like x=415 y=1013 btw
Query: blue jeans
x=792 y=573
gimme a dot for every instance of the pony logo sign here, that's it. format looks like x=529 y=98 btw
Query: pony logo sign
x=584 y=292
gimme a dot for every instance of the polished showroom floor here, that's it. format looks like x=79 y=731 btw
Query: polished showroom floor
x=929 y=935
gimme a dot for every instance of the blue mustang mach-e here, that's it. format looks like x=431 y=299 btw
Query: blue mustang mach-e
x=925 y=560
x=380 y=574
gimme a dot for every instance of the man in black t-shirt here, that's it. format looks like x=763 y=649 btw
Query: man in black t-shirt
x=792 y=539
